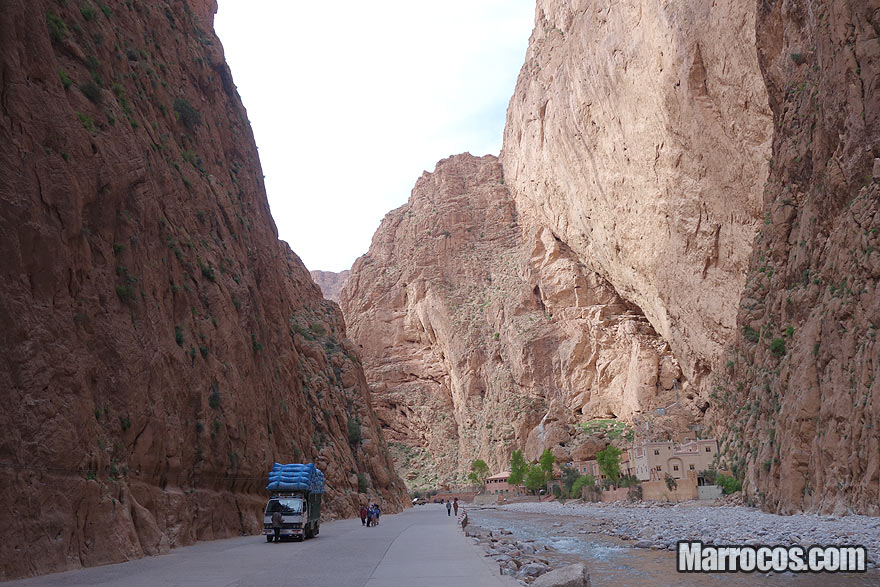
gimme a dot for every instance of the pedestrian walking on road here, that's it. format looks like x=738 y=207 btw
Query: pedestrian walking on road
x=277 y=522
x=448 y=508
x=363 y=514
x=455 y=506
x=378 y=513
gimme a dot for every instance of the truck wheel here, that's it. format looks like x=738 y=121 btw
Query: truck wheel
x=269 y=538
x=317 y=529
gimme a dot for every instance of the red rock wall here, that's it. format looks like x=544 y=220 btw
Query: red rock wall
x=800 y=399
x=159 y=348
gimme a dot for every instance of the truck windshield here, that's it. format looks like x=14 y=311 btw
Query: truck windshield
x=287 y=506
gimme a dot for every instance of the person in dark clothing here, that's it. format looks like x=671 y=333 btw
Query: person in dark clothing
x=363 y=514
x=277 y=523
x=455 y=506
x=448 y=508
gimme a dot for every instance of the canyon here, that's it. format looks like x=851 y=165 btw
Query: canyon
x=679 y=235
x=161 y=348
x=330 y=282
x=480 y=336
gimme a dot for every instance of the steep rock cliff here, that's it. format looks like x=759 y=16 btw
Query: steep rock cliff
x=330 y=282
x=480 y=336
x=639 y=133
x=801 y=398
x=160 y=347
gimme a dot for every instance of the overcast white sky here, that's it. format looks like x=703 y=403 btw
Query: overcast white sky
x=350 y=101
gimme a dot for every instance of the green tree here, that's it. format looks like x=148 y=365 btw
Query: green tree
x=729 y=484
x=546 y=463
x=609 y=462
x=578 y=486
x=569 y=476
x=535 y=478
x=480 y=470
x=518 y=468
x=671 y=484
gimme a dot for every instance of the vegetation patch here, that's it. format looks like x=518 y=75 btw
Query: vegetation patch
x=187 y=114
x=610 y=427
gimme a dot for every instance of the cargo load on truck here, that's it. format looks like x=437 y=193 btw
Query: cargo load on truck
x=296 y=477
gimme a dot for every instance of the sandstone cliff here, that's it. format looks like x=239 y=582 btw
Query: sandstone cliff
x=331 y=283
x=480 y=336
x=160 y=347
x=713 y=167
x=801 y=400
x=639 y=133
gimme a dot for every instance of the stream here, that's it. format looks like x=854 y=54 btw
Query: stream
x=613 y=562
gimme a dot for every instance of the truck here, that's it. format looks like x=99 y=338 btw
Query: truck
x=295 y=490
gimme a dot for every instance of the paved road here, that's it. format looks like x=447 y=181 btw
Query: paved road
x=421 y=546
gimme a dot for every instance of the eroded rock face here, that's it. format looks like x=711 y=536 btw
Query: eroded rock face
x=480 y=336
x=331 y=283
x=160 y=347
x=639 y=133
x=801 y=400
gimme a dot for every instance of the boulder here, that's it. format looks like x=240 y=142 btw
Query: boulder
x=575 y=575
x=532 y=570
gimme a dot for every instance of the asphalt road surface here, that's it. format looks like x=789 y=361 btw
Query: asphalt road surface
x=420 y=547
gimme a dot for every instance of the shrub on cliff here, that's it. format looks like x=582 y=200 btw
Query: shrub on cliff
x=354 y=431
x=187 y=114
x=777 y=347
x=91 y=91
x=56 y=26
x=363 y=483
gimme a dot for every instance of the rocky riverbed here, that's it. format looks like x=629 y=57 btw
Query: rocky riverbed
x=633 y=544
x=662 y=526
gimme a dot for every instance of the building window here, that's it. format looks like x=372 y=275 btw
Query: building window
x=675 y=467
x=656 y=451
x=691 y=467
x=659 y=468
x=708 y=449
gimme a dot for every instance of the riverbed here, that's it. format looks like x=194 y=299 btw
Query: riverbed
x=578 y=536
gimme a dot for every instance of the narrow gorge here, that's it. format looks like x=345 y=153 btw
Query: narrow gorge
x=680 y=233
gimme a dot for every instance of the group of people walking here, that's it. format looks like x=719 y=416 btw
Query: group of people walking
x=370 y=515
x=452 y=505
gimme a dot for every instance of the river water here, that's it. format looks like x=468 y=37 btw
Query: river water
x=613 y=562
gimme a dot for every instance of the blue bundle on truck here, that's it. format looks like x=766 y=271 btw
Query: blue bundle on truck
x=296 y=491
